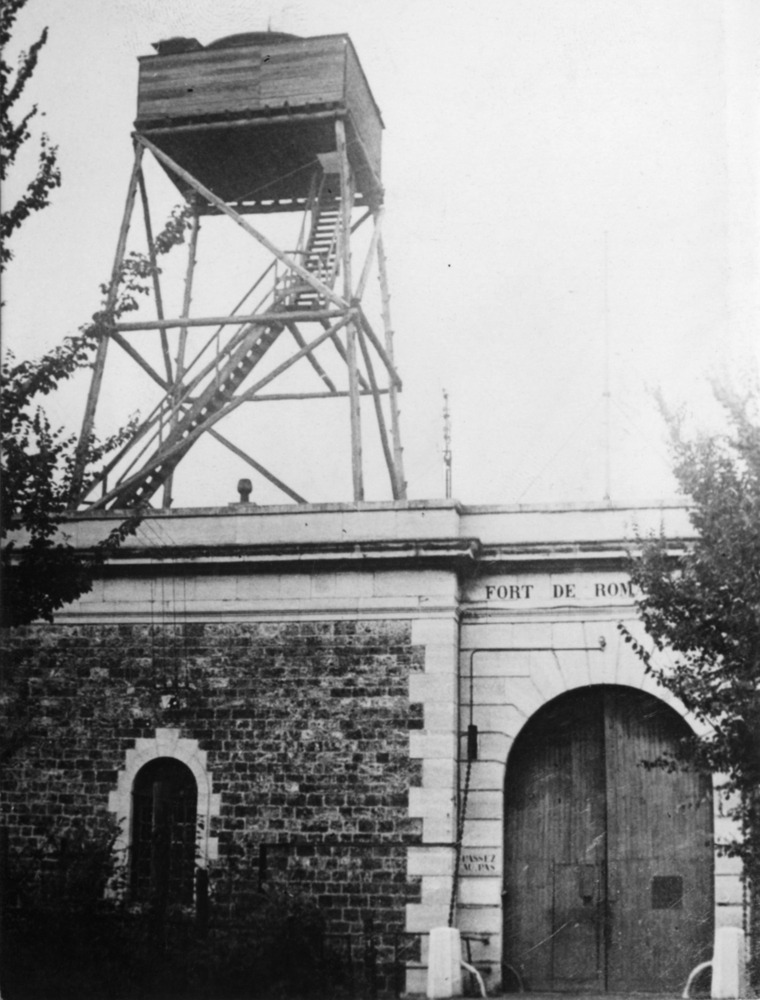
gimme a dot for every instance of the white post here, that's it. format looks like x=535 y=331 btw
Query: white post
x=729 y=973
x=444 y=964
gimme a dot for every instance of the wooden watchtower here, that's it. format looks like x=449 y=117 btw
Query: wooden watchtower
x=249 y=126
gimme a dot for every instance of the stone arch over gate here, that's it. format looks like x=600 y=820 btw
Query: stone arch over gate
x=607 y=861
x=507 y=673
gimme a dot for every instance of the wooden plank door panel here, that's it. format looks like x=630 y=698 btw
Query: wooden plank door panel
x=577 y=939
x=656 y=936
x=554 y=835
x=660 y=856
x=608 y=862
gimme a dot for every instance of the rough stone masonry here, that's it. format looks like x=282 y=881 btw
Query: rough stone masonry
x=305 y=731
x=316 y=670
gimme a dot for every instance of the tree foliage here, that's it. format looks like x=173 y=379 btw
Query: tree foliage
x=15 y=132
x=702 y=604
x=41 y=570
x=38 y=489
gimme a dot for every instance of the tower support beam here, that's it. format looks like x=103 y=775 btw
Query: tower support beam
x=257 y=466
x=154 y=271
x=307 y=276
x=394 y=385
x=389 y=461
x=362 y=283
x=299 y=339
x=257 y=319
x=179 y=367
x=385 y=357
x=182 y=445
x=320 y=158
x=125 y=345
x=346 y=204
x=83 y=446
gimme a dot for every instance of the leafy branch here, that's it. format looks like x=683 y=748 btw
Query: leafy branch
x=14 y=133
x=702 y=605
x=42 y=571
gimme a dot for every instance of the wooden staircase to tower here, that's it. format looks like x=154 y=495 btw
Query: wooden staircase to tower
x=321 y=253
x=299 y=128
x=320 y=258
x=253 y=343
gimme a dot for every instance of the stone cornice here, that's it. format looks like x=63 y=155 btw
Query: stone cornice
x=422 y=534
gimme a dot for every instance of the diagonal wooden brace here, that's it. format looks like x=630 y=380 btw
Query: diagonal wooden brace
x=209 y=195
x=186 y=442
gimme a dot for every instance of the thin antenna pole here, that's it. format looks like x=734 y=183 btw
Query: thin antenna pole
x=447 y=442
x=606 y=392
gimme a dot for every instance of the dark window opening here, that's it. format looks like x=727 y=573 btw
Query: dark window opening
x=667 y=892
x=164 y=814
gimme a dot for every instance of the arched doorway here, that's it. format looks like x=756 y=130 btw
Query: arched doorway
x=164 y=816
x=608 y=864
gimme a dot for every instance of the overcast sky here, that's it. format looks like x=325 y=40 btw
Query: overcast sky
x=558 y=173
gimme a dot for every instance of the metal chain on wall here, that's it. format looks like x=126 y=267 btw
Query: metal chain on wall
x=460 y=835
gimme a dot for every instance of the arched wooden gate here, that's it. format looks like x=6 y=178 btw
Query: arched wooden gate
x=608 y=874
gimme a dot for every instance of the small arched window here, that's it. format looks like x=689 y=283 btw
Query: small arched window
x=164 y=816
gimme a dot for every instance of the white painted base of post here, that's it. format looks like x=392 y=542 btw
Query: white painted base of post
x=729 y=967
x=444 y=964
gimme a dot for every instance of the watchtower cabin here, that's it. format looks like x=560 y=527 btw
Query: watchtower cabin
x=250 y=114
x=254 y=124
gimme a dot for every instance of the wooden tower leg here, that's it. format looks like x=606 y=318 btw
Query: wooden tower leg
x=346 y=197
x=83 y=445
x=156 y=281
x=398 y=451
x=379 y=412
x=180 y=359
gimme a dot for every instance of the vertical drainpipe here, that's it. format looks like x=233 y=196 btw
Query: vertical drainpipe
x=472 y=753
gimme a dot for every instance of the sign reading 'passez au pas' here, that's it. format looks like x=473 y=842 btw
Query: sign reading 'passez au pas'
x=480 y=863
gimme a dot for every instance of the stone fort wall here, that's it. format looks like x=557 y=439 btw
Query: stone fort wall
x=317 y=670
x=302 y=727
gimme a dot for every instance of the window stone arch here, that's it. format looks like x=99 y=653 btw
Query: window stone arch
x=166 y=743
x=164 y=824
